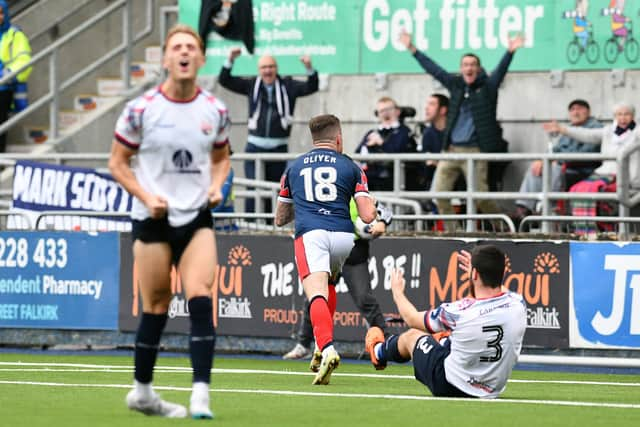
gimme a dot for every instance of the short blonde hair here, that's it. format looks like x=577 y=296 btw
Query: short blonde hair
x=183 y=28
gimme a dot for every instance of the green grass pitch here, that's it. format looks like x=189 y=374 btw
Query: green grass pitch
x=54 y=390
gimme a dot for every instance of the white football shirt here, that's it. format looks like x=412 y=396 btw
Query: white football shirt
x=173 y=140
x=486 y=340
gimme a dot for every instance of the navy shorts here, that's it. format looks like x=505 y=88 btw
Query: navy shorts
x=158 y=230
x=428 y=367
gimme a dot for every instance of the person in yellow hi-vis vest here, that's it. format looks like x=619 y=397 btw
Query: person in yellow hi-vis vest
x=15 y=52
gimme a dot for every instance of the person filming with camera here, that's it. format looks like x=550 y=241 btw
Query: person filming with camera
x=390 y=136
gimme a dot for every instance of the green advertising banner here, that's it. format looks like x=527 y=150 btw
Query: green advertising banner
x=361 y=36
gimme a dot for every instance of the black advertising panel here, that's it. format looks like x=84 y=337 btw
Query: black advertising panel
x=537 y=270
x=256 y=291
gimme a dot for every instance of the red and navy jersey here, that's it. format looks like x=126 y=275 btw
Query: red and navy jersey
x=320 y=185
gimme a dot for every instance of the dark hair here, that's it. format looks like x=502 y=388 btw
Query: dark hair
x=581 y=102
x=443 y=100
x=325 y=126
x=472 y=55
x=490 y=262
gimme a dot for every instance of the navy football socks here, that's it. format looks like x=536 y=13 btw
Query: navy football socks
x=147 y=345
x=388 y=351
x=202 y=339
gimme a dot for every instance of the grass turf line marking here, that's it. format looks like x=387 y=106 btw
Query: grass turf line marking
x=344 y=395
x=170 y=369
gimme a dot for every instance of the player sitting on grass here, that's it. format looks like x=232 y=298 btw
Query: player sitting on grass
x=486 y=332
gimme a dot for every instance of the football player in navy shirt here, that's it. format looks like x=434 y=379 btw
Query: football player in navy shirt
x=316 y=190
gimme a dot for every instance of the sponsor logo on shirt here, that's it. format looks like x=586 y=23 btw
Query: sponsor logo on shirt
x=183 y=159
x=206 y=128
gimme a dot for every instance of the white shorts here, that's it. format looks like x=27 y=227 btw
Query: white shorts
x=321 y=250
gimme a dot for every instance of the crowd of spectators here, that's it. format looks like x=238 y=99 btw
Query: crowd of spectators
x=461 y=121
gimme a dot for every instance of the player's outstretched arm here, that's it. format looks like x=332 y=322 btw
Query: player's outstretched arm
x=411 y=316
x=284 y=214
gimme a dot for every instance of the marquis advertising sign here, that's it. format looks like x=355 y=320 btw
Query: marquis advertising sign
x=539 y=271
x=256 y=291
x=41 y=187
x=606 y=295
x=361 y=36
x=58 y=280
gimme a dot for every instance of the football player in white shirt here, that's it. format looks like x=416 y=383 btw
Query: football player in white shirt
x=486 y=332
x=179 y=135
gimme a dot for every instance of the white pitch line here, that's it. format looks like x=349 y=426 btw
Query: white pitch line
x=349 y=395
x=567 y=382
x=46 y=367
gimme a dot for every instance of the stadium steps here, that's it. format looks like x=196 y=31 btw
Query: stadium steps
x=89 y=106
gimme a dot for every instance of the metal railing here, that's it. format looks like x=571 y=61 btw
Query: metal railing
x=588 y=223
x=52 y=98
x=54 y=24
x=625 y=196
x=165 y=12
x=94 y=220
x=468 y=219
x=24 y=222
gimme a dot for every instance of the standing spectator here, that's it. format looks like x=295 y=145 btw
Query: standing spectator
x=15 y=52
x=358 y=280
x=435 y=115
x=563 y=174
x=316 y=190
x=471 y=121
x=178 y=133
x=390 y=136
x=272 y=99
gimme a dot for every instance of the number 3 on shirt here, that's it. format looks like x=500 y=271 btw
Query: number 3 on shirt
x=494 y=343
x=321 y=186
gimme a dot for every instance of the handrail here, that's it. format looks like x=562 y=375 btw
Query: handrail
x=22 y=215
x=390 y=200
x=165 y=11
x=79 y=213
x=273 y=186
x=623 y=176
x=622 y=234
x=55 y=87
x=469 y=194
x=457 y=217
x=119 y=216
x=59 y=20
